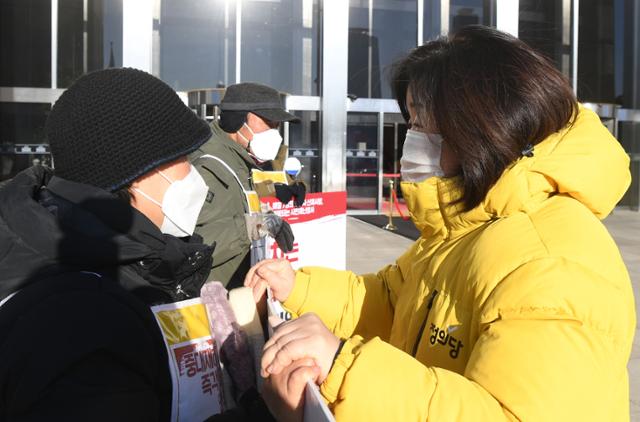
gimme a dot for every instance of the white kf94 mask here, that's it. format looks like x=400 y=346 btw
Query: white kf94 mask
x=181 y=203
x=264 y=145
x=421 y=156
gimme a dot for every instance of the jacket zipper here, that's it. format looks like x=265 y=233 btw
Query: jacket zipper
x=424 y=323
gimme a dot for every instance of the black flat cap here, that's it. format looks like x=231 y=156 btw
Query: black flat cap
x=258 y=99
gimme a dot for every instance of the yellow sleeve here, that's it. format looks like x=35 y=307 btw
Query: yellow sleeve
x=348 y=304
x=552 y=377
x=374 y=381
x=542 y=355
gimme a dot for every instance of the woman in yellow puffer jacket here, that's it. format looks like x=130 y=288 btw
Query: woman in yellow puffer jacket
x=514 y=304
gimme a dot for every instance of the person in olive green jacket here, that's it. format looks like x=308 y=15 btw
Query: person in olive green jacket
x=246 y=137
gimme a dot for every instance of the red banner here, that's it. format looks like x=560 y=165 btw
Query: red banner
x=315 y=206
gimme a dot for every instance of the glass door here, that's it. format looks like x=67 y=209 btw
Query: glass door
x=363 y=156
x=394 y=132
x=375 y=133
x=305 y=144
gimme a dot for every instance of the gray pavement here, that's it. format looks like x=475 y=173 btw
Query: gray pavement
x=624 y=226
x=370 y=248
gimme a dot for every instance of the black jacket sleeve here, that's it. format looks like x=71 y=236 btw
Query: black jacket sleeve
x=78 y=347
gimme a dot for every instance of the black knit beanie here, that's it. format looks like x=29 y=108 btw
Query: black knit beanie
x=113 y=126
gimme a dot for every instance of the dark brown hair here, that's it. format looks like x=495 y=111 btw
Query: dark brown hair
x=490 y=96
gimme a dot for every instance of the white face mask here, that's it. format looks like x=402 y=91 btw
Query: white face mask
x=264 y=145
x=421 y=156
x=181 y=203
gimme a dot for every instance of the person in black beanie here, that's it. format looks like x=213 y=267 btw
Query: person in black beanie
x=85 y=250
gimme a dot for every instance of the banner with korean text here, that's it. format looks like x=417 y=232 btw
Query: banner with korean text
x=194 y=361
x=319 y=227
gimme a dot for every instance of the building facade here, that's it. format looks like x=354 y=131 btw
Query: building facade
x=332 y=58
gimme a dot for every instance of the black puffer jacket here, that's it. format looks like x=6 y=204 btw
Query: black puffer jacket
x=79 y=269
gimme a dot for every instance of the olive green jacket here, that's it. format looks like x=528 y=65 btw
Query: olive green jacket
x=222 y=216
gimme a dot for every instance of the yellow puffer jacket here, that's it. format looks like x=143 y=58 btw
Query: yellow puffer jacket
x=520 y=309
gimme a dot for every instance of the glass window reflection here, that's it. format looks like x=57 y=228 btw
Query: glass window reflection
x=471 y=12
x=363 y=160
x=25 y=43
x=195 y=43
x=22 y=124
x=305 y=145
x=431 y=20
x=280 y=42
x=608 y=72
x=89 y=37
x=605 y=66
x=546 y=26
x=378 y=36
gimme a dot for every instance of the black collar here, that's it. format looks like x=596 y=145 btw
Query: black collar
x=71 y=226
